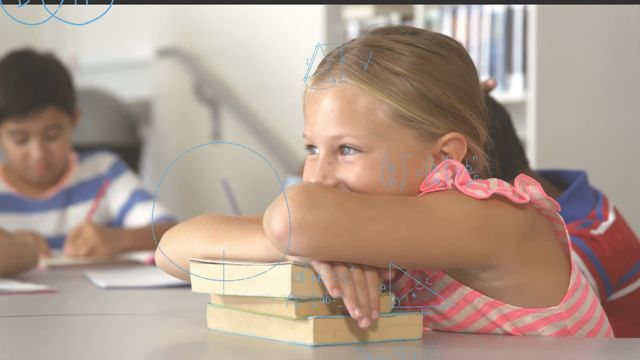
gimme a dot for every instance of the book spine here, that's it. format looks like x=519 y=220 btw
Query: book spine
x=516 y=81
x=498 y=46
x=447 y=20
x=475 y=12
x=485 y=42
x=462 y=30
x=433 y=19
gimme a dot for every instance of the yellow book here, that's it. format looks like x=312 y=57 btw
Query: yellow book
x=315 y=330
x=278 y=279
x=293 y=308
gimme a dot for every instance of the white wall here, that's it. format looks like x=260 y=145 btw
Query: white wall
x=260 y=52
x=588 y=97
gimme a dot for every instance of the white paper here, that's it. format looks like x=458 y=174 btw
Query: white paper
x=10 y=286
x=136 y=277
x=59 y=260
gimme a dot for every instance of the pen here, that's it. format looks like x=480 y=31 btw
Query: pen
x=96 y=200
x=230 y=197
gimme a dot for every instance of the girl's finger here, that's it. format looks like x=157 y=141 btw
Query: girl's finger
x=387 y=274
x=362 y=293
x=328 y=276
x=373 y=284
x=349 y=296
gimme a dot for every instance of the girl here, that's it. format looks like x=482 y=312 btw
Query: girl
x=478 y=255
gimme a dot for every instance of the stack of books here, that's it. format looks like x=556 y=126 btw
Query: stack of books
x=287 y=301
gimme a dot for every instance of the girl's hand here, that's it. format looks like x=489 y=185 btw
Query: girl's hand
x=358 y=285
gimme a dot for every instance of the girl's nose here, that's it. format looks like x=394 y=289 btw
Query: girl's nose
x=324 y=173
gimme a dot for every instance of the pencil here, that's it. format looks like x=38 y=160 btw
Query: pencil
x=96 y=200
x=230 y=197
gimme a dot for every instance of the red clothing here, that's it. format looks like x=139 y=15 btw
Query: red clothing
x=606 y=249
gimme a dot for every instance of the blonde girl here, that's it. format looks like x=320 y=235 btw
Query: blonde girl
x=478 y=255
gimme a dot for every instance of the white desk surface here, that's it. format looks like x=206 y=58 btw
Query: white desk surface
x=82 y=321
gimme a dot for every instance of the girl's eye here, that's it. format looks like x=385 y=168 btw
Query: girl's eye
x=348 y=150
x=311 y=149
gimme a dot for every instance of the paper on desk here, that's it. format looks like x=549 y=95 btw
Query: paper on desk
x=12 y=287
x=59 y=260
x=136 y=277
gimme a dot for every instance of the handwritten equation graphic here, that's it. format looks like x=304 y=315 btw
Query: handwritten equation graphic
x=420 y=285
x=230 y=197
x=30 y=16
x=331 y=80
x=391 y=178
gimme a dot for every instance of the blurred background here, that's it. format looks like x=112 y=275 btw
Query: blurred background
x=157 y=83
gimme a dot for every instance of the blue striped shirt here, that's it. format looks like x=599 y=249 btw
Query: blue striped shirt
x=126 y=203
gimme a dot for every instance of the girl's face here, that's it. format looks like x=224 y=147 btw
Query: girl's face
x=352 y=145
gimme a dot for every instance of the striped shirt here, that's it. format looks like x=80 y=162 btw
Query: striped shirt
x=54 y=214
x=605 y=248
x=448 y=305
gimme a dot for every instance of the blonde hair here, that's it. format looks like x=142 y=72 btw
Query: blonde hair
x=426 y=79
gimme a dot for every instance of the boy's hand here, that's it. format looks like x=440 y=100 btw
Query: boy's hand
x=89 y=239
x=488 y=85
x=36 y=239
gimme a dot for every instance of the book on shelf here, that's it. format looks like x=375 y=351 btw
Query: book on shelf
x=516 y=74
x=315 y=330
x=432 y=18
x=293 y=308
x=461 y=30
x=484 y=70
x=473 y=40
x=447 y=23
x=498 y=46
x=493 y=35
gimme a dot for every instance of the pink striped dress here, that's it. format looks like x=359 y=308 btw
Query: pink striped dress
x=448 y=305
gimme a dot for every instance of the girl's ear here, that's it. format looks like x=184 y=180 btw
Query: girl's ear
x=452 y=145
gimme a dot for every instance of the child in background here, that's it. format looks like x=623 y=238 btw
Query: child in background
x=495 y=256
x=47 y=189
x=606 y=248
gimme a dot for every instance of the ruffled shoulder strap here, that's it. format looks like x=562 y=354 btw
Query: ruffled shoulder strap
x=452 y=173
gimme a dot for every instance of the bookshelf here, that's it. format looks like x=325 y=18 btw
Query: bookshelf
x=499 y=38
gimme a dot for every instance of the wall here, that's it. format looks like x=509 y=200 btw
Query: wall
x=588 y=97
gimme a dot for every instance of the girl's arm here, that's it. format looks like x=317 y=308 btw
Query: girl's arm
x=205 y=236
x=442 y=230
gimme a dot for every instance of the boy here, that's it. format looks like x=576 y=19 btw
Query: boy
x=605 y=248
x=47 y=190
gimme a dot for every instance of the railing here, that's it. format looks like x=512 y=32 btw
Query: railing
x=214 y=92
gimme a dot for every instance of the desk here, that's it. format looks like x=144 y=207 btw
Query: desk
x=82 y=321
